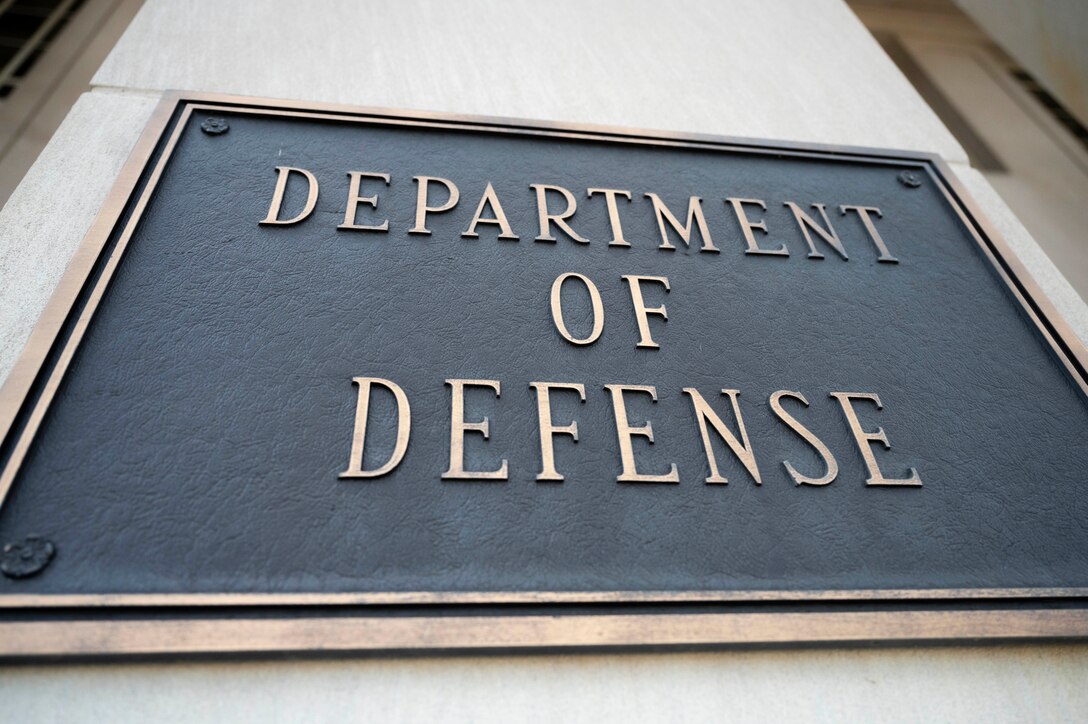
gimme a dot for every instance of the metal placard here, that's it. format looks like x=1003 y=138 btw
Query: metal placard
x=327 y=378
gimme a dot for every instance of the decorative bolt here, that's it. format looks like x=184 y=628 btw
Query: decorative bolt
x=910 y=179
x=22 y=560
x=215 y=126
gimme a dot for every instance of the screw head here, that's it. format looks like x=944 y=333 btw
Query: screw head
x=26 y=558
x=910 y=179
x=215 y=126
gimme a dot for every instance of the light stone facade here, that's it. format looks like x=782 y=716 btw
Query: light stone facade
x=778 y=69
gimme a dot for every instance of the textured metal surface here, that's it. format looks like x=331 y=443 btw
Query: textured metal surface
x=193 y=445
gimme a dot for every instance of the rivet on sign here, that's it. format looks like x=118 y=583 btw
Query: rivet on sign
x=25 y=559
x=910 y=179
x=215 y=126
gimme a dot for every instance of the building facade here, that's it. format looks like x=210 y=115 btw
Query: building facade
x=918 y=77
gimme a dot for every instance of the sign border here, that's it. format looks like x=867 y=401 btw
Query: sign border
x=103 y=624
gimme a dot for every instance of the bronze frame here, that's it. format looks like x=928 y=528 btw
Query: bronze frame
x=106 y=624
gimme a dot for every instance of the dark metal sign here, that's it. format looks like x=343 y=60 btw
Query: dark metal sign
x=323 y=378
